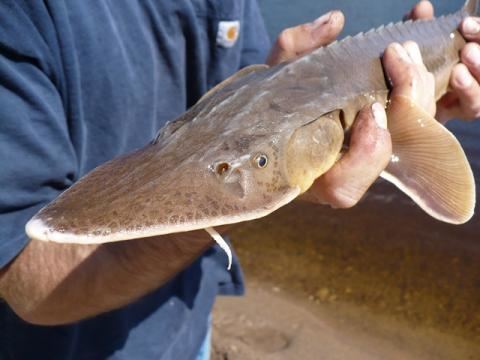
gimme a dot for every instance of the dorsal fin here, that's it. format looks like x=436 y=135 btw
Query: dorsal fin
x=239 y=74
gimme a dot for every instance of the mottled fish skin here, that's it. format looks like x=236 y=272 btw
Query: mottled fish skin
x=203 y=169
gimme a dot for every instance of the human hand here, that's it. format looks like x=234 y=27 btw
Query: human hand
x=370 y=146
x=463 y=99
x=301 y=39
x=409 y=76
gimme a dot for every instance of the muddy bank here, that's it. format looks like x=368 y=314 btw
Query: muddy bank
x=384 y=264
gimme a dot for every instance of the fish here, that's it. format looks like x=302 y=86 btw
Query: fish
x=258 y=140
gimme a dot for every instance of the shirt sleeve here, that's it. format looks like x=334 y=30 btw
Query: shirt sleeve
x=256 y=42
x=36 y=155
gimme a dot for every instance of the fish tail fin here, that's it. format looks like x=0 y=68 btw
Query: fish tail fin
x=428 y=163
x=471 y=7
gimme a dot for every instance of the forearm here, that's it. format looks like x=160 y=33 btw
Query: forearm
x=51 y=283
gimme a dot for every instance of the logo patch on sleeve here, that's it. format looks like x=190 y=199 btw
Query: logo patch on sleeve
x=228 y=32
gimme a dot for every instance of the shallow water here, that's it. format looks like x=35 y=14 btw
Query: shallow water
x=385 y=259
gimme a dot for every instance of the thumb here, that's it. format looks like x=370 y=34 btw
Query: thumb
x=369 y=152
x=300 y=39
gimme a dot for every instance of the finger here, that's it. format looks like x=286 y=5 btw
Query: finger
x=324 y=32
x=467 y=90
x=369 y=153
x=461 y=102
x=408 y=75
x=396 y=62
x=300 y=39
x=414 y=53
x=422 y=11
x=470 y=28
x=448 y=108
x=427 y=101
x=470 y=56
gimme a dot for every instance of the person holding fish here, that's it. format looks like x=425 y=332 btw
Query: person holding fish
x=81 y=85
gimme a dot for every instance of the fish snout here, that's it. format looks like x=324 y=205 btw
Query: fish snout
x=231 y=176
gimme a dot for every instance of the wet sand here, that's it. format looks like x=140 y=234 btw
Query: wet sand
x=381 y=280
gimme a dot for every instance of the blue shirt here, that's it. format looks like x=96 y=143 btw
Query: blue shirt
x=82 y=82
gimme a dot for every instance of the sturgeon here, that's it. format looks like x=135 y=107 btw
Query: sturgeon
x=260 y=139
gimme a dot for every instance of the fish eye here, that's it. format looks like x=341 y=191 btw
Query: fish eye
x=261 y=161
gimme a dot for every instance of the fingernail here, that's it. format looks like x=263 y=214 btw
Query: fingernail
x=380 y=115
x=470 y=26
x=463 y=77
x=413 y=51
x=400 y=50
x=322 y=20
x=325 y=23
x=472 y=55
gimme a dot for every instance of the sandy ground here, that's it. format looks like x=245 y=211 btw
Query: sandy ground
x=380 y=281
x=268 y=324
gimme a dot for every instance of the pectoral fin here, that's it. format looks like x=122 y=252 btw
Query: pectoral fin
x=428 y=163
